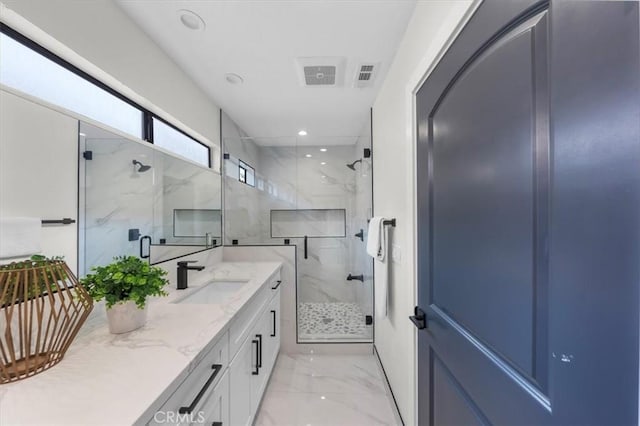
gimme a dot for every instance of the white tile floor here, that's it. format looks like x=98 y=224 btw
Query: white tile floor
x=331 y=390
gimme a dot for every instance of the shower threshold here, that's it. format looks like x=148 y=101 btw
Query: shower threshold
x=323 y=322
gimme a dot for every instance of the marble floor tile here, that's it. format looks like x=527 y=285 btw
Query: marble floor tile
x=335 y=374
x=331 y=390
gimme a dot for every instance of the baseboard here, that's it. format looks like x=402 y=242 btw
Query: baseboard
x=388 y=386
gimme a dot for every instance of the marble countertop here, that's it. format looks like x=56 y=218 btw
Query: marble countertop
x=107 y=379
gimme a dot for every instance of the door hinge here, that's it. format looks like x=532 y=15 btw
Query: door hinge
x=87 y=155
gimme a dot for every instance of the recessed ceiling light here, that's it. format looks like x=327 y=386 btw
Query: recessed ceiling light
x=323 y=163
x=323 y=149
x=308 y=155
x=233 y=78
x=302 y=133
x=191 y=20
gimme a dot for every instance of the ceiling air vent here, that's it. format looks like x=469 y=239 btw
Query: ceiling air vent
x=364 y=75
x=320 y=71
x=320 y=75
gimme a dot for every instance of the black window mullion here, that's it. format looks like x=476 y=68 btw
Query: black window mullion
x=147 y=126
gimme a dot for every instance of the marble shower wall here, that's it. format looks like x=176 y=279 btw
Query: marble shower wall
x=286 y=179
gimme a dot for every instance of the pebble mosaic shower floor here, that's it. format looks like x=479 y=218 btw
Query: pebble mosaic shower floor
x=319 y=321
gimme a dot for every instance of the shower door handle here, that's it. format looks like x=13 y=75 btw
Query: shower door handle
x=142 y=255
x=305 y=246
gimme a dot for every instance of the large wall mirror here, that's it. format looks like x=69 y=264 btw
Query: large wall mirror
x=136 y=199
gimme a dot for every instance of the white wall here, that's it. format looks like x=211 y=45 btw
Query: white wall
x=432 y=24
x=39 y=171
x=97 y=37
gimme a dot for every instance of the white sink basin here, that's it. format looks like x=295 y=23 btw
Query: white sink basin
x=215 y=292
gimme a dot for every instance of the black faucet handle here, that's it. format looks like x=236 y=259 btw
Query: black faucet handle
x=186 y=262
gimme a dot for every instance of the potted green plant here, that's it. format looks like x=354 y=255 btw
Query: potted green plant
x=125 y=285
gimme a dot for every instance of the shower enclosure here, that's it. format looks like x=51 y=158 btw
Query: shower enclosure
x=317 y=196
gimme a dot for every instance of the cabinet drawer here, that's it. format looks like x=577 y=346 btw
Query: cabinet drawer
x=195 y=388
x=242 y=324
x=215 y=410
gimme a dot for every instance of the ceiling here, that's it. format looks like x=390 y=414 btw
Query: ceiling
x=263 y=41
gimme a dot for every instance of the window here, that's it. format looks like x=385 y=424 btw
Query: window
x=247 y=173
x=24 y=69
x=30 y=68
x=175 y=141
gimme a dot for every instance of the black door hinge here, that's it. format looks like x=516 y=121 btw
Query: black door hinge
x=87 y=155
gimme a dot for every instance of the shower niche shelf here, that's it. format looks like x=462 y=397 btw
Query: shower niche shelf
x=196 y=222
x=311 y=223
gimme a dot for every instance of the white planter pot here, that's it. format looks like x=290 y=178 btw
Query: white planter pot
x=125 y=317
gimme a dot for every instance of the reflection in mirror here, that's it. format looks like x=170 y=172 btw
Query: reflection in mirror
x=136 y=199
x=187 y=210
x=116 y=194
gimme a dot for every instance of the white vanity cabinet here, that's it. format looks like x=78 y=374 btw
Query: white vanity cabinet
x=272 y=338
x=252 y=366
x=215 y=410
x=226 y=387
x=193 y=398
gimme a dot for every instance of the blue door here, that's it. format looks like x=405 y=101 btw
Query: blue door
x=529 y=218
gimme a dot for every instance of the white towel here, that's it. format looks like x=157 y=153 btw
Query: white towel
x=373 y=236
x=377 y=247
x=20 y=236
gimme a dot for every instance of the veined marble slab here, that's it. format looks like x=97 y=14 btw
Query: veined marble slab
x=107 y=379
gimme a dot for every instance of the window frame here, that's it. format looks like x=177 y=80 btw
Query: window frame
x=163 y=121
x=246 y=167
x=146 y=125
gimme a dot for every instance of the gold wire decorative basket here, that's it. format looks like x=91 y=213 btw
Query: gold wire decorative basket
x=42 y=308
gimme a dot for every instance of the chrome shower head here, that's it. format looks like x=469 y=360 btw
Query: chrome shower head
x=352 y=166
x=142 y=168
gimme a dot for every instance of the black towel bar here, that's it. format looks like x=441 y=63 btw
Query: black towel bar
x=391 y=222
x=63 y=221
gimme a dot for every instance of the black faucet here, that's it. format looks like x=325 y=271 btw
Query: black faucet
x=183 y=269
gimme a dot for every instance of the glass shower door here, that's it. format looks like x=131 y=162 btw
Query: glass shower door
x=117 y=195
x=335 y=276
x=317 y=196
